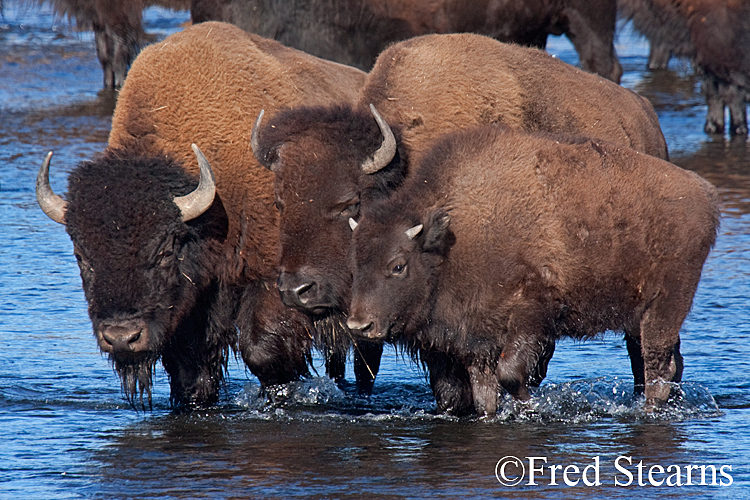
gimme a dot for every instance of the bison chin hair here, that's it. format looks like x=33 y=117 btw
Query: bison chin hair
x=136 y=378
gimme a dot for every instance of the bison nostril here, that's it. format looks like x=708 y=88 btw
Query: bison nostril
x=362 y=327
x=305 y=292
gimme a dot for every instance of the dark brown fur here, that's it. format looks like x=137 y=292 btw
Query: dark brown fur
x=214 y=287
x=525 y=239
x=355 y=31
x=715 y=35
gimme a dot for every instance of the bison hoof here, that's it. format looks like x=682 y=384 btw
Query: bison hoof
x=713 y=128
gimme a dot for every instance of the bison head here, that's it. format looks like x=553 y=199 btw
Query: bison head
x=396 y=262
x=139 y=232
x=327 y=161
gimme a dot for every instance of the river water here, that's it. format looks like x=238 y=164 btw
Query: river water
x=67 y=432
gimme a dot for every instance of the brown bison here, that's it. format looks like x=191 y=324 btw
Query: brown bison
x=185 y=277
x=326 y=163
x=502 y=242
x=715 y=34
x=117 y=27
x=355 y=31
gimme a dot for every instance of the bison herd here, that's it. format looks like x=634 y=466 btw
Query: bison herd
x=467 y=200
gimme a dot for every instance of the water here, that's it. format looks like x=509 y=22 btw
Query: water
x=66 y=431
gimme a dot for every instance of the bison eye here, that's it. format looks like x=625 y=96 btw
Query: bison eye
x=351 y=210
x=398 y=269
x=279 y=206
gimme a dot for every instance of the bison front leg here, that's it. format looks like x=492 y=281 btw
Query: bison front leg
x=366 y=364
x=450 y=383
x=715 y=114
x=484 y=388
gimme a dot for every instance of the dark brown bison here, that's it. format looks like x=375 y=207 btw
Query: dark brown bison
x=117 y=27
x=715 y=35
x=185 y=277
x=326 y=163
x=502 y=242
x=355 y=31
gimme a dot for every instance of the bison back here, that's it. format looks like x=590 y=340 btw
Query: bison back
x=434 y=84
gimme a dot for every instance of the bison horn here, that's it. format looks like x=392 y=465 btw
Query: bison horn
x=51 y=204
x=387 y=150
x=254 y=140
x=353 y=223
x=194 y=204
x=412 y=232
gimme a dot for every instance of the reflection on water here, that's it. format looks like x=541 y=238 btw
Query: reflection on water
x=66 y=432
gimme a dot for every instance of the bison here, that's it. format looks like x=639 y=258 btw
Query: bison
x=503 y=241
x=715 y=34
x=330 y=162
x=181 y=277
x=117 y=27
x=355 y=31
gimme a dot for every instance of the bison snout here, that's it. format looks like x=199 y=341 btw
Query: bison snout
x=364 y=328
x=299 y=291
x=127 y=337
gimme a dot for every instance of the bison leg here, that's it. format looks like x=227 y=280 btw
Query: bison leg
x=366 y=364
x=734 y=98
x=275 y=341
x=484 y=387
x=540 y=371
x=591 y=30
x=660 y=346
x=715 y=114
x=659 y=55
x=633 y=343
x=450 y=384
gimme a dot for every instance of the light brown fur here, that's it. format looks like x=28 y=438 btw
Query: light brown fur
x=433 y=84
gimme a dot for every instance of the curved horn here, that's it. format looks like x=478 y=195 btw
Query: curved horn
x=412 y=232
x=353 y=223
x=194 y=204
x=254 y=140
x=387 y=150
x=51 y=204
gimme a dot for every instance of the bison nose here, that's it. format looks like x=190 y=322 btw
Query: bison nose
x=297 y=290
x=122 y=338
x=364 y=328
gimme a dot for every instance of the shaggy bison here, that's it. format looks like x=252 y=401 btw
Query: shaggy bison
x=355 y=31
x=715 y=34
x=181 y=277
x=326 y=163
x=502 y=242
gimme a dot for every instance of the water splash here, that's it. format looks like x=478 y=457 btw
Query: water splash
x=579 y=401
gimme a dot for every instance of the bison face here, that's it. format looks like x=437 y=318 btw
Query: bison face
x=327 y=162
x=396 y=266
x=140 y=239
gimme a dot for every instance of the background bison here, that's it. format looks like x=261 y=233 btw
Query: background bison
x=501 y=242
x=163 y=286
x=355 y=31
x=424 y=87
x=715 y=35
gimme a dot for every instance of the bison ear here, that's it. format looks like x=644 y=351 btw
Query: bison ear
x=437 y=236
